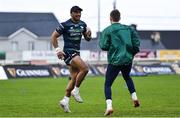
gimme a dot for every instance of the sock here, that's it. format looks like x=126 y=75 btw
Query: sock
x=66 y=99
x=76 y=89
x=134 y=96
x=109 y=103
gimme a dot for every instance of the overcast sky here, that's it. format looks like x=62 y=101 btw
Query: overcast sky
x=147 y=14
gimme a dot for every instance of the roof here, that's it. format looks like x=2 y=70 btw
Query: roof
x=148 y=44
x=144 y=44
x=41 y=24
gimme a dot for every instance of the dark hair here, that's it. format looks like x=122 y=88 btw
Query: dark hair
x=115 y=15
x=75 y=9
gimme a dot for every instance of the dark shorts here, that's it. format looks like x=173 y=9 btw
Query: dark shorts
x=69 y=55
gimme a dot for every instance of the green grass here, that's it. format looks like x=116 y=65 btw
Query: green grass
x=159 y=97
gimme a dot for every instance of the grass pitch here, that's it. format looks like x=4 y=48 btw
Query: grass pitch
x=159 y=97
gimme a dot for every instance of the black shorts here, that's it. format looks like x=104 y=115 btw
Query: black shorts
x=69 y=55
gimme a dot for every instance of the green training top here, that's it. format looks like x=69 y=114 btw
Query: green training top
x=121 y=42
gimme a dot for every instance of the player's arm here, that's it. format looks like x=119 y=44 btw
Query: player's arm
x=135 y=41
x=54 y=40
x=87 y=34
x=104 y=42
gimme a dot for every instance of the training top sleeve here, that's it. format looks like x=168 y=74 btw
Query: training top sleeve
x=60 y=28
x=104 y=42
x=135 y=40
x=85 y=27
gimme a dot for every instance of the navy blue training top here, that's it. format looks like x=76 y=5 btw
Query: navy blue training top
x=72 y=34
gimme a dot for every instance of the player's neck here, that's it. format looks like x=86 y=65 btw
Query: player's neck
x=74 y=21
x=112 y=22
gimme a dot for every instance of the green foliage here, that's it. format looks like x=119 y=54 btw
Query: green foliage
x=159 y=97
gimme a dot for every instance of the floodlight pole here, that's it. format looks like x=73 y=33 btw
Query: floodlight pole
x=114 y=4
x=99 y=17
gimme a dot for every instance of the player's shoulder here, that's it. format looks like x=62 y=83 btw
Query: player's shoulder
x=65 y=23
x=82 y=22
x=125 y=26
x=128 y=27
x=108 y=28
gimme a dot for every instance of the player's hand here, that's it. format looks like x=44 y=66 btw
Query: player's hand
x=60 y=54
x=88 y=34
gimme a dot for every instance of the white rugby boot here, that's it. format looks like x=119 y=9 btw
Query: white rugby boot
x=76 y=96
x=108 y=112
x=65 y=105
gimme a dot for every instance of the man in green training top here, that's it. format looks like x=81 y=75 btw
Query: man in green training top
x=122 y=43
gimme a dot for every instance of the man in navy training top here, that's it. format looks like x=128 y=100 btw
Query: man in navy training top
x=72 y=31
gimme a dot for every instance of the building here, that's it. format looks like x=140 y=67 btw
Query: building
x=26 y=36
x=21 y=31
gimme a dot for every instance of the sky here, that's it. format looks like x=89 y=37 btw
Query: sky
x=147 y=14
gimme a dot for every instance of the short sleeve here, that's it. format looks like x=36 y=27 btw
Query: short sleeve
x=60 y=29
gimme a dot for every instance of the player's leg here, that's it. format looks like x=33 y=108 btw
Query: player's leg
x=74 y=72
x=125 y=70
x=71 y=83
x=64 y=103
x=83 y=70
x=111 y=74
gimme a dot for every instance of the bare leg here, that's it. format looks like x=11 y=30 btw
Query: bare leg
x=83 y=70
x=71 y=84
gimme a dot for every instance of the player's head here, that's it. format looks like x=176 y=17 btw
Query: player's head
x=76 y=13
x=115 y=15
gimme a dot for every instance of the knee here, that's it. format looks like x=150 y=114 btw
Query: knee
x=85 y=69
x=127 y=77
